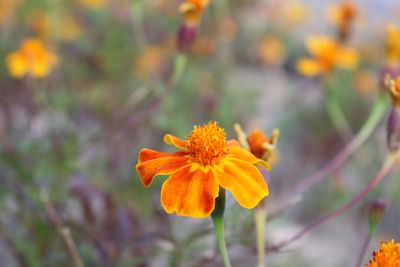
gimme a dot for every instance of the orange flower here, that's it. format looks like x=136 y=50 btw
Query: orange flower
x=328 y=54
x=32 y=59
x=192 y=10
x=272 y=50
x=204 y=162
x=342 y=16
x=260 y=145
x=388 y=255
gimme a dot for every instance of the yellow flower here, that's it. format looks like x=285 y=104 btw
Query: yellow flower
x=295 y=12
x=192 y=10
x=32 y=58
x=272 y=50
x=94 y=4
x=327 y=55
x=388 y=255
x=204 y=162
x=392 y=45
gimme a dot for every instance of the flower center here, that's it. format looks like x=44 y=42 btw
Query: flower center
x=207 y=143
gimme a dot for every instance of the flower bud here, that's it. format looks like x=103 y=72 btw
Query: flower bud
x=376 y=211
x=186 y=35
x=388 y=71
x=393 y=129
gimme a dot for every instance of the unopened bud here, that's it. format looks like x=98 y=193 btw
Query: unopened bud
x=186 y=35
x=376 y=211
x=393 y=129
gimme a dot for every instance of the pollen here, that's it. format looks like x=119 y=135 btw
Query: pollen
x=207 y=143
x=387 y=256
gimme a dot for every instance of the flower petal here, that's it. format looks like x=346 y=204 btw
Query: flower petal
x=149 y=154
x=232 y=143
x=175 y=141
x=190 y=193
x=243 y=180
x=309 y=67
x=152 y=163
x=243 y=154
x=347 y=58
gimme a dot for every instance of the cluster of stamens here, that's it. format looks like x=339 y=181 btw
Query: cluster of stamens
x=207 y=143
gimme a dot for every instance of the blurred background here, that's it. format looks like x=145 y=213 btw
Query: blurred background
x=71 y=128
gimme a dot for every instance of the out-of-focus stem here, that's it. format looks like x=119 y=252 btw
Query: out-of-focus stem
x=363 y=250
x=389 y=162
x=137 y=18
x=64 y=232
x=367 y=129
x=334 y=110
x=179 y=67
x=337 y=117
x=260 y=218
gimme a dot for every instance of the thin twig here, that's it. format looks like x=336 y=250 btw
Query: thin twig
x=64 y=232
x=372 y=121
x=387 y=166
x=363 y=250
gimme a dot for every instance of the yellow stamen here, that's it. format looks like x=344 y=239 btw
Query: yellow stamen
x=207 y=143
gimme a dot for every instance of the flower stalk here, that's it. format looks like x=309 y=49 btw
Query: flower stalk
x=179 y=67
x=260 y=218
x=335 y=112
x=375 y=116
x=218 y=220
x=387 y=165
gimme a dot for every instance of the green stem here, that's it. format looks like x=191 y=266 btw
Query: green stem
x=260 y=217
x=179 y=67
x=218 y=220
x=337 y=116
x=137 y=10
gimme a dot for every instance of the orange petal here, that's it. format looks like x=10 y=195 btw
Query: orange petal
x=190 y=193
x=152 y=163
x=175 y=141
x=243 y=180
x=232 y=143
x=148 y=154
x=243 y=154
